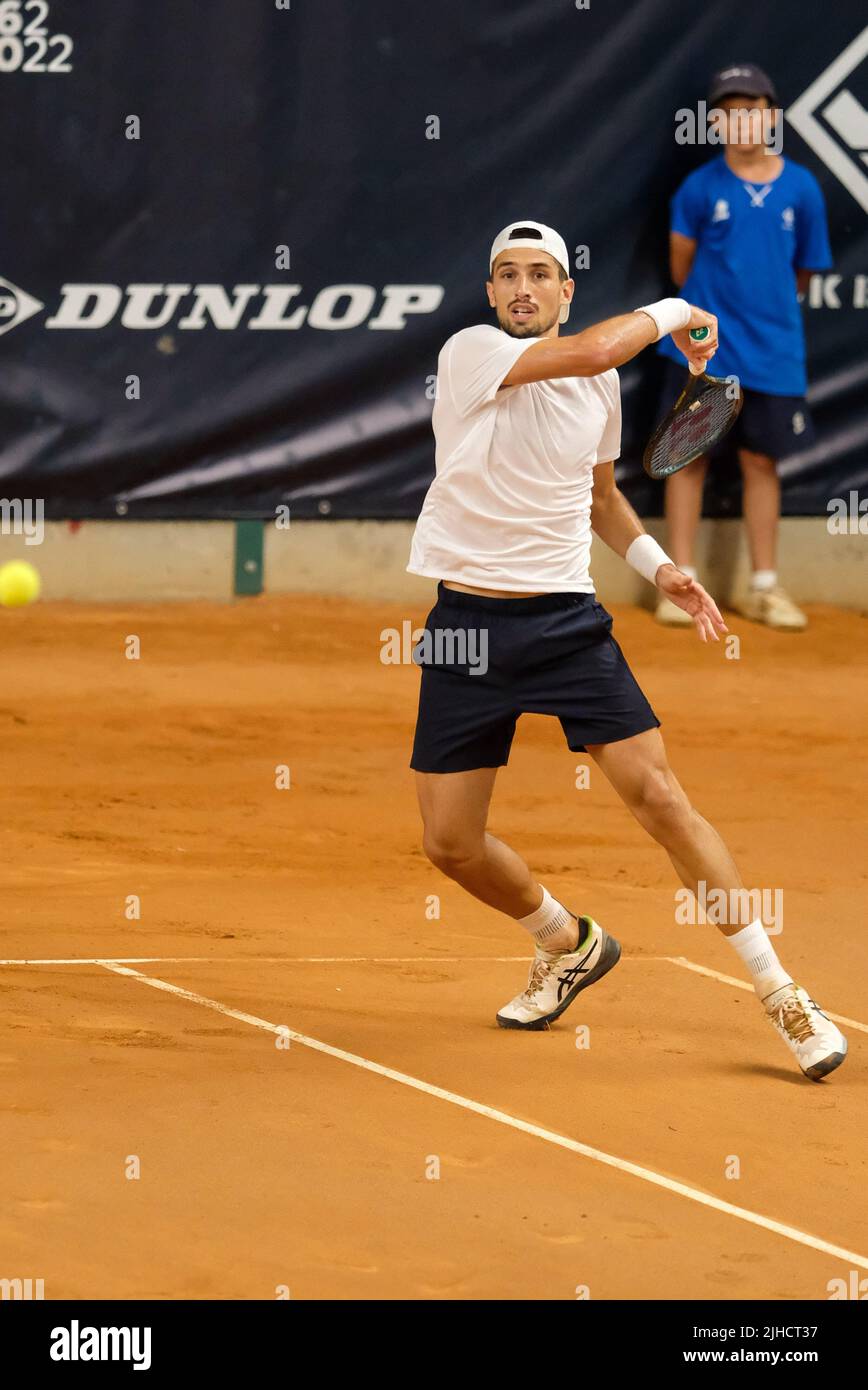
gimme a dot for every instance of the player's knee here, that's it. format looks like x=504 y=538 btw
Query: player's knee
x=450 y=851
x=661 y=805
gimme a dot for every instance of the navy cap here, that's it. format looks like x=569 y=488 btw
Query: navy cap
x=741 y=79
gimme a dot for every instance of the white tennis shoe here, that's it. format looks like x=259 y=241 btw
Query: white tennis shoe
x=817 y=1045
x=774 y=607
x=556 y=978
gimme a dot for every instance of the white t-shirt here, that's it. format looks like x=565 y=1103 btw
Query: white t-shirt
x=510 y=505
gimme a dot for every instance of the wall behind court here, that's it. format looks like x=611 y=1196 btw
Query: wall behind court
x=158 y=358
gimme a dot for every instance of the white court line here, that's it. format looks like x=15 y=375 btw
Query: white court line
x=648 y=1175
x=742 y=984
x=393 y=960
x=284 y=960
x=305 y=960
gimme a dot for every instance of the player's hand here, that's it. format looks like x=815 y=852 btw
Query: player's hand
x=688 y=594
x=698 y=354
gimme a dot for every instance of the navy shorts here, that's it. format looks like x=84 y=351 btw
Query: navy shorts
x=485 y=661
x=777 y=426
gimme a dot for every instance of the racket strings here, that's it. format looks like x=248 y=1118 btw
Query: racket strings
x=696 y=424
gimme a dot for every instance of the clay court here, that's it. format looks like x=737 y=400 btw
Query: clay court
x=312 y=1167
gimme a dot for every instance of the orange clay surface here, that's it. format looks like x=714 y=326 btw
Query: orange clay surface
x=263 y=1165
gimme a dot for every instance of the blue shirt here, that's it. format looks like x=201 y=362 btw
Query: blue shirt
x=751 y=238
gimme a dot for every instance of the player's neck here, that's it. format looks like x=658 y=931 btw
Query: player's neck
x=756 y=163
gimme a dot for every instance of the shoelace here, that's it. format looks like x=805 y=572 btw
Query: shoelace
x=794 y=1018
x=537 y=977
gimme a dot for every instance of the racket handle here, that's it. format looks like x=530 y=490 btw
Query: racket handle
x=698 y=335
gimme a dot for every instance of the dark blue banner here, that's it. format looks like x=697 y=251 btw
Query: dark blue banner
x=234 y=237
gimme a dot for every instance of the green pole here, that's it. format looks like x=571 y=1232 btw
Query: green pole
x=249 y=539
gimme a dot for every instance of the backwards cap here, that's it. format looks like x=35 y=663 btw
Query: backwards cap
x=534 y=235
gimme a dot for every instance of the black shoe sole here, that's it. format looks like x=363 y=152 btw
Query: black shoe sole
x=830 y=1063
x=609 y=957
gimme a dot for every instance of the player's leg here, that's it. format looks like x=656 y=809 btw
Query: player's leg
x=639 y=770
x=464 y=732
x=454 y=808
x=570 y=953
x=683 y=507
x=640 y=773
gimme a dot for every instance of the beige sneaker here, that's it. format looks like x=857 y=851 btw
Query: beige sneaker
x=670 y=615
x=555 y=979
x=773 y=607
x=816 y=1043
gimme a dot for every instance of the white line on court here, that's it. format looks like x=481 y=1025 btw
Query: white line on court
x=393 y=960
x=648 y=1175
x=281 y=960
x=742 y=984
x=313 y=960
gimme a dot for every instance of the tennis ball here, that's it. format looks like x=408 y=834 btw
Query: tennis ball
x=19 y=584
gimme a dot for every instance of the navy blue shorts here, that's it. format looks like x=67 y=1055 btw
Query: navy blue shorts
x=485 y=661
x=777 y=426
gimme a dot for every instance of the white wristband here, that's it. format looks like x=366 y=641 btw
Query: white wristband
x=646 y=556
x=668 y=314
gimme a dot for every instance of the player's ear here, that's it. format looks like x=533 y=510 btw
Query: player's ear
x=569 y=288
x=489 y=290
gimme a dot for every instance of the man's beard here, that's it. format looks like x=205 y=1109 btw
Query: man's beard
x=526 y=330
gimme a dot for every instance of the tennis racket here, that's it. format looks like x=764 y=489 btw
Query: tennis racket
x=706 y=410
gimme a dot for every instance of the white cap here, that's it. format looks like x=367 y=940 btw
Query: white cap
x=534 y=235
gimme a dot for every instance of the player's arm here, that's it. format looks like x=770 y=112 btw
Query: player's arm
x=682 y=250
x=612 y=517
x=803 y=280
x=615 y=341
x=618 y=526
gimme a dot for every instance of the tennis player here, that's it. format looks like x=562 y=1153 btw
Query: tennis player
x=527 y=427
x=748 y=231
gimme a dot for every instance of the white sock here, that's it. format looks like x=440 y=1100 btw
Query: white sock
x=550 y=918
x=763 y=579
x=756 y=950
